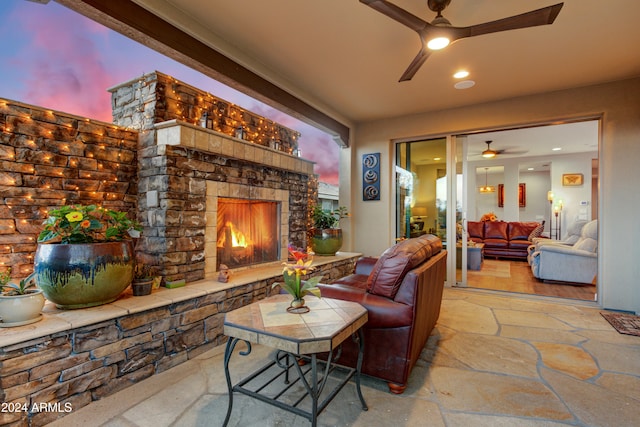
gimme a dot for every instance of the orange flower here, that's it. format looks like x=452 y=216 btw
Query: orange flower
x=85 y=224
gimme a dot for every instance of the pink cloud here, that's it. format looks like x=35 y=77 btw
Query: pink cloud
x=63 y=69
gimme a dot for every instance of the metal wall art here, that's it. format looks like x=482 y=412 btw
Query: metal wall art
x=371 y=176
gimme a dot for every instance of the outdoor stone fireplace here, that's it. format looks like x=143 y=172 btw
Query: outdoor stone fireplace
x=187 y=169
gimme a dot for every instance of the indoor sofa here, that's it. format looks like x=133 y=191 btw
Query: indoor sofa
x=504 y=239
x=402 y=291
x=577 y=263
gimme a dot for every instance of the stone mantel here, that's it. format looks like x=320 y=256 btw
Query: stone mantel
x=177 y=132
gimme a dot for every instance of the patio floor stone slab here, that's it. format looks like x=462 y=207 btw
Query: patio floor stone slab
x=492 y=354
x=494 y=393
x=569 y=359
x=586 y=401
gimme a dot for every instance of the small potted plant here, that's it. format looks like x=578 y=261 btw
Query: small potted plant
x=143 y=277
x=325 y=236
x=295 y=286
x=20 y=304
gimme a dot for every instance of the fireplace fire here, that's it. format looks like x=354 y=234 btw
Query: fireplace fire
x=248 y=232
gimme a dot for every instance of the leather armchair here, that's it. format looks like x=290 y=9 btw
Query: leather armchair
x=402 y=291
x=563 y=263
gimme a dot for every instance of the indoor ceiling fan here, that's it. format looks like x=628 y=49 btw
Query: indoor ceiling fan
x=490 y=153
x=440 y=33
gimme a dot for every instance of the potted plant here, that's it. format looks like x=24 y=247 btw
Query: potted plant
x=325 y=236
x=85 y=255
x=20 y=304
x=144 y=276
x=295 y=286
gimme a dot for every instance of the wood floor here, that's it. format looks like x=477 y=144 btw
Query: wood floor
x=516 y=276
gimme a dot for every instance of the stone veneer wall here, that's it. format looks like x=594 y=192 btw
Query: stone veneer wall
x=50 y=159
x=156 y=97
x=78 y=366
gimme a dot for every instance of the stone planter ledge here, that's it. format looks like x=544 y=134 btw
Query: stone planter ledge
x=56 y=320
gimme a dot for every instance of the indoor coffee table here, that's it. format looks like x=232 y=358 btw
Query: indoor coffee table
x=298 y=338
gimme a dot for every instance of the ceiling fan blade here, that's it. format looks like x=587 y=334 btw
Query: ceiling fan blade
x=397 y=13
x=415 y=64
x=544 y=16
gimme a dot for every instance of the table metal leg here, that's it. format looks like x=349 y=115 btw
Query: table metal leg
x=228 y=351
x=360 y=340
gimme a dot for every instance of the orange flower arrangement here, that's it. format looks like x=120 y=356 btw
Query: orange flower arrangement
x=489 y=217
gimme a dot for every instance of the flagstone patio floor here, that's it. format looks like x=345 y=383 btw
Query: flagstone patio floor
x=494 y=359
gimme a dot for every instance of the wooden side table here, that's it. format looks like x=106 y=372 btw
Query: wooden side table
x=295 y=336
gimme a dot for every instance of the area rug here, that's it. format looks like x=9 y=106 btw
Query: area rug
x=492 y=267
x=625 y=323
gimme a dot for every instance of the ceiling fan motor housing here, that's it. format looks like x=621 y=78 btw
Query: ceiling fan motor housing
x=438 y=5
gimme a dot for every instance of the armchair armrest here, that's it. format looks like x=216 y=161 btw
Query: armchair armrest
x=383 y=312
x=365 y=264
x=566 y=250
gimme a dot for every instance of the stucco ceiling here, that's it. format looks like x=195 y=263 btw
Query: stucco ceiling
x=345 y=58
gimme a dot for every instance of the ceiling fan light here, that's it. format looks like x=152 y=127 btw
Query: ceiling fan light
x=438 y=43
x=489 y=154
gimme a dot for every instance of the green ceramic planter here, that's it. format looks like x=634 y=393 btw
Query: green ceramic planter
x=84 y=275
x=326 y=242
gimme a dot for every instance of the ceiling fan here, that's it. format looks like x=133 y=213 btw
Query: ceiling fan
x=490 y=153
x=440 y=33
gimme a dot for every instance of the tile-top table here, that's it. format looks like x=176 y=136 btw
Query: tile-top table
x=298 y=339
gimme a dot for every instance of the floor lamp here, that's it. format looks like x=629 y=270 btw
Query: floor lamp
x=550 y=199
x=558 y=213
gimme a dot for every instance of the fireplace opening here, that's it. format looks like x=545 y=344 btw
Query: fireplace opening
x=248 y=232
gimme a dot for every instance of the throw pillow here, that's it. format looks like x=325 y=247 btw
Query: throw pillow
x=389 y=271
x=537 y=232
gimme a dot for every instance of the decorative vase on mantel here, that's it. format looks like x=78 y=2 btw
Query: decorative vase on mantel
x=85 y=255
x=84 y=275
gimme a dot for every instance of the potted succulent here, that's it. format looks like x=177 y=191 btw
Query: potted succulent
x=325 y=237
x=85 y=255
x=20 y=304
x=144 y=276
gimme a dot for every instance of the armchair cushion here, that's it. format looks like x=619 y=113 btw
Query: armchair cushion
x=395 y=262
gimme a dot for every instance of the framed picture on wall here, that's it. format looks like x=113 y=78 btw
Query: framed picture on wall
x=572 y=179
x=522 y=195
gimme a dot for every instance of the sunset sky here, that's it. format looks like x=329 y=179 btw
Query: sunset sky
x=55 y=58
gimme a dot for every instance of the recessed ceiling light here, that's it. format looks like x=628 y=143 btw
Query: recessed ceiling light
x=465 y=84
x=556 y=149
x=461 y=74
x=529 y=169
x=436 y=158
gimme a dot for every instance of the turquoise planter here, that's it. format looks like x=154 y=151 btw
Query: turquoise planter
x=84 y=275
x=326 y=242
